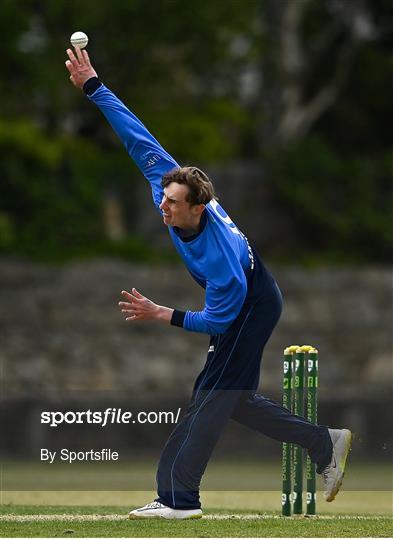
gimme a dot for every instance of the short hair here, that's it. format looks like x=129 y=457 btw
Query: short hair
x=200 y=188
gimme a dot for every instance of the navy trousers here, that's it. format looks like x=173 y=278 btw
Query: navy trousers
x=225 y=389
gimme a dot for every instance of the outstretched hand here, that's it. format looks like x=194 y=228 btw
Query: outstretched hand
x=79 y=67
x=140 y=308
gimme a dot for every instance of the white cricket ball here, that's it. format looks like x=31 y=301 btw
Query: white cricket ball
x=79 y=39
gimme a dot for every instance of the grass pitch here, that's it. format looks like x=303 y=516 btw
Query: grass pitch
x=247 y=515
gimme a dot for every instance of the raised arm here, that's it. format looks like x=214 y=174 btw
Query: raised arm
x=143 y=148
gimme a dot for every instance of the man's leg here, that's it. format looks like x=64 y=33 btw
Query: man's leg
x=188 y=449
x=268 y=417
x=229 y=368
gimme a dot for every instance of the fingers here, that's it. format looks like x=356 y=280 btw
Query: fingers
x=134 y=317
x=136 y=293
x=80 y=56
x=135 y=296
x=130 y=308
x=128 y=296
x=136 y=307
x=86 y=57
x=125 y=305
x=73 y=59
x=70 y=68
x=131 y=314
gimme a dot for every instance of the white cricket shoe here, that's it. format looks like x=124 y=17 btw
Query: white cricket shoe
x=158 y=510
x=334 y=472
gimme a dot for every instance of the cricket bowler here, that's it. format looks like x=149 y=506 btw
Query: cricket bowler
x=242 y=306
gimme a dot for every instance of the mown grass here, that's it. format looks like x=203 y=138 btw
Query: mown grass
x=112 y=522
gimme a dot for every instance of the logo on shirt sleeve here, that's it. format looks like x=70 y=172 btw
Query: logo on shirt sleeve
x=149 y=158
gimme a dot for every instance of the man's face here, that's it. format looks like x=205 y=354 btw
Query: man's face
x=176 y=211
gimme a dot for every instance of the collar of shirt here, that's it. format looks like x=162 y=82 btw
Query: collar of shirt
x=181 y=233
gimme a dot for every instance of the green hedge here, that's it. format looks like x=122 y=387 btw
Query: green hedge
x=52 y=193
x=342 y=206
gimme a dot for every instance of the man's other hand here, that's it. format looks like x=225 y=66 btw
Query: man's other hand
x=140 y=308
x=79 y=67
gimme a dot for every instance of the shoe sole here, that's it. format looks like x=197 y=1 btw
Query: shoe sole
x=343 y=462
x=133 y=516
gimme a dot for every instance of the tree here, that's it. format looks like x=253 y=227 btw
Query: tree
x=296 y=92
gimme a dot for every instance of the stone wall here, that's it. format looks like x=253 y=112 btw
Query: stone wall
x=62 y=329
